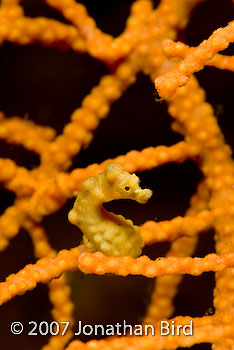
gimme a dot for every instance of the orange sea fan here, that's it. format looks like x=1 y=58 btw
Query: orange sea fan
x=61 y=75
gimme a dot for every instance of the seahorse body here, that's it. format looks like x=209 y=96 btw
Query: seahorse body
x=103 y=231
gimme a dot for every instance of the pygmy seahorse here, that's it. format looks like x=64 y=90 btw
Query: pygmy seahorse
x=104 y=231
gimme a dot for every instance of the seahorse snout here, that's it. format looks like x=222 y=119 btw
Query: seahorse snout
x=142 y=196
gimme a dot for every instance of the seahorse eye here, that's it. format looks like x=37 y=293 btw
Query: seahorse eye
x=127 y=188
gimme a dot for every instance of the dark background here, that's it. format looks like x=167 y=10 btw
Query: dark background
x=46 y=85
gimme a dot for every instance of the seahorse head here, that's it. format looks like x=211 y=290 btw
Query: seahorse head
x=123 y=185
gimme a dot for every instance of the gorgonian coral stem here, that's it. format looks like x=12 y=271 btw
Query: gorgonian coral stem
x=99 y=264
x=179 y=49
x=165 y=287
x=17 y=131
x=153 y=232
x=47 y=269
x=59 y=290
x=99 y=44
x=177 y=76
x=43 y=271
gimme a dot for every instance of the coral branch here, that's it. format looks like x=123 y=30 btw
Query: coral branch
x=178 y=49
x=99 y=44
x=25 y=133
x=178 y=76
x=46 y=31
x=165 y=289
x=59 y=291
x=43 y=271
x=100 y=264
x=153 y=232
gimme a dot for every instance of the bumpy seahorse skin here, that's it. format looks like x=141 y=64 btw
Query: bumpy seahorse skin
x=103 y=231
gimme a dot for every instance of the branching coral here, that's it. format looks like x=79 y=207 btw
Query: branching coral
x=143 y=47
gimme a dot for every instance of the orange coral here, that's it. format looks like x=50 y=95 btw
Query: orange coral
x=142 y=47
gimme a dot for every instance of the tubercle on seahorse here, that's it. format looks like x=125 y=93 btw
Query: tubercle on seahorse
x=104 y=231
